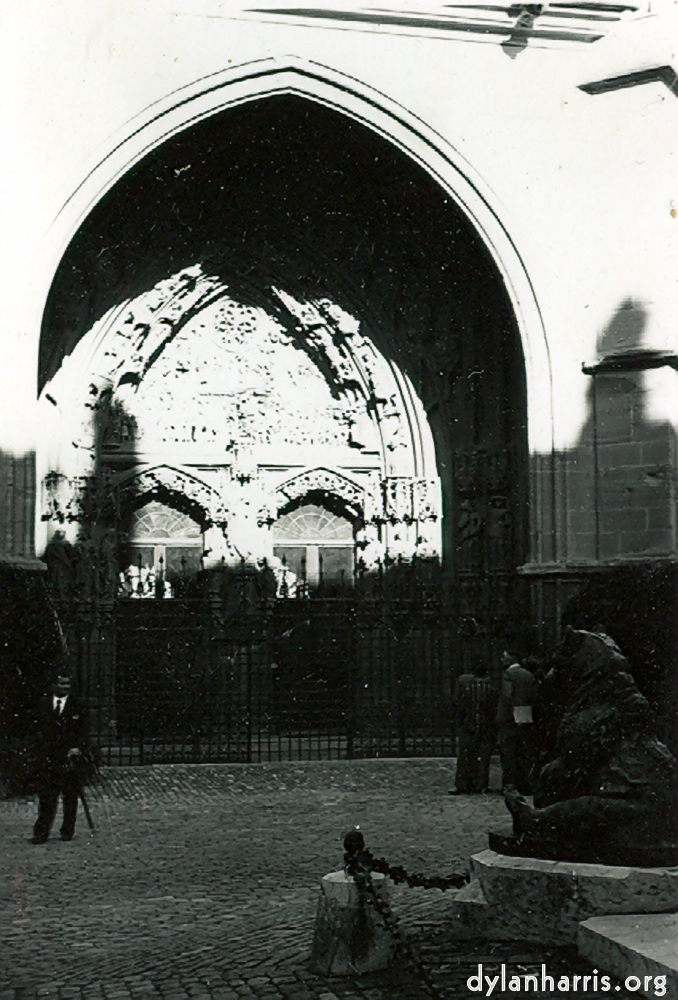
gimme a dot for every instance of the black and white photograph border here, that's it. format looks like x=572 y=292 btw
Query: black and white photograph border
x=373 y=696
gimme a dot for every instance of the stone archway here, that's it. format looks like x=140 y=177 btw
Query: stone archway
x=436 y=307
x=322 y=481
x=317 y=519
x=187 y=490
x=416 y=252
x=340 y=253
x=315 y=82
x=174 y=525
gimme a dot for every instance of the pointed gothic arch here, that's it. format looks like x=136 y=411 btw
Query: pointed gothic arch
x=329 y=99
x=253 y=86
x=326 y=484
x=317 y=83
x=175 y=487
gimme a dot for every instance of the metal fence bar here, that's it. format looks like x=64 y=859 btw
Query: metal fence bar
x=181 y=680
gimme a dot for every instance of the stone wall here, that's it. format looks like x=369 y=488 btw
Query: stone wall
x=17 y=510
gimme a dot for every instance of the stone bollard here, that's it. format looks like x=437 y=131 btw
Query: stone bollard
x=351 y=936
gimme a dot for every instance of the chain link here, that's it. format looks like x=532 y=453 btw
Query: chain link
x=359 y=863
x=358 y=856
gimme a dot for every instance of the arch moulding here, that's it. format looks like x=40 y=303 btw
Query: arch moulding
x=321 y=480
x=147 y=483
x=293 y=76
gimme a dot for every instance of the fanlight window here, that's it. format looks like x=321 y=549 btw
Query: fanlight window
x=316 y=545
x=313 y=523
x=164 y=551
x=155 y=520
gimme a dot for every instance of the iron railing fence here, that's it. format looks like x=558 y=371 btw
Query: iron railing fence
x=198 y=680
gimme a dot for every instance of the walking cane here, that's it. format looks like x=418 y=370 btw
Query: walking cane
x=88 y=815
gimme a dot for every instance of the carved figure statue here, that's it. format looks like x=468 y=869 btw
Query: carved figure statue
x=607 y=781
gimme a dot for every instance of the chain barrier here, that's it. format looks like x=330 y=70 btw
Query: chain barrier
x=360 y=863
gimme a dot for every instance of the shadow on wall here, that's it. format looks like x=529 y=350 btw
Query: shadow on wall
x=86 y=570
x=620 y=481
x=30 y=648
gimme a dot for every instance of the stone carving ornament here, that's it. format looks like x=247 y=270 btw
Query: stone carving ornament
x=426 y=499
x=484 y=516
x=161 y=391
x=323 y=481
x=399 y=500
x=169 y=480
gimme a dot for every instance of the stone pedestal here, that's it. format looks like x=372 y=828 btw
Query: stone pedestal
x=531 y=899
x=658 y=855
x=350 y=934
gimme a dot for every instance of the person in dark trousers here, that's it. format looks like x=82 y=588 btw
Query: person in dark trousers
x=475 y=707
x=515 y=720
x=61 y=748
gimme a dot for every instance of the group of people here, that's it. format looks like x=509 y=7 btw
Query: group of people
x=487 y=715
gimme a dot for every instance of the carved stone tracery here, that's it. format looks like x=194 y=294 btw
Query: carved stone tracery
x=192 y=370
x=208 y=506
x=406 y=500
x=326 y=482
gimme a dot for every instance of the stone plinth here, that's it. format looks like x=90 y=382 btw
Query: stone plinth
x=641 y=945
x=659 y=855
x=350 y=937
x=531 y=899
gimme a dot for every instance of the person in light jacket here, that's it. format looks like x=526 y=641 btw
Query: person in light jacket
x=515 y=721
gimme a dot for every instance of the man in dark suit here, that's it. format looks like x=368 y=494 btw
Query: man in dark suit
x=61 y=733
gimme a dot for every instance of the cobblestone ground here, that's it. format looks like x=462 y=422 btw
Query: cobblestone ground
x=203 y=881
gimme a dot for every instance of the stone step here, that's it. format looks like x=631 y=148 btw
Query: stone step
x=471 y=916
x=641 y=945
x=530 y=899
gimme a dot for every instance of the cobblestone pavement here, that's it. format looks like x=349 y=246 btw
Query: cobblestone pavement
x=202 y=881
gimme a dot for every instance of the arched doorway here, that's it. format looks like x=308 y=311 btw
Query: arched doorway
x=347 y=251
x=335 y=214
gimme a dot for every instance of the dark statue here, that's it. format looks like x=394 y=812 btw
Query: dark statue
x=605 y=787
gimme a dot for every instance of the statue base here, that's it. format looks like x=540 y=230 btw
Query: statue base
x=636 y=856
x=534 y=899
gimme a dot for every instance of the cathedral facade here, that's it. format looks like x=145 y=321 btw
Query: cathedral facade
x=318 y=292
